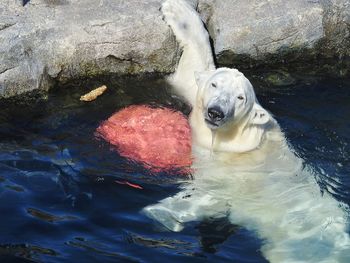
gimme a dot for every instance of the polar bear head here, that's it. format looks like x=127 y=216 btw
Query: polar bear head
x=227 y=97
x=226 y=104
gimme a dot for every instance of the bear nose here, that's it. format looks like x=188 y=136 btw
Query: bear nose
x=215 y=113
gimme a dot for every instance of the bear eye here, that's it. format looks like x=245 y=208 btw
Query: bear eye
x=240 y=97
x=213 y=85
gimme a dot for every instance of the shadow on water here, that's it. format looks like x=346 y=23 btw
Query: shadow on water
x=60 y=200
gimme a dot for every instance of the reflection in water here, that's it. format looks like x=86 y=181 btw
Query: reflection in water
x=155 y=243
x=215 y=232
x=48 y=217
x=59 y=190
x=213 y=136
x=98 y=248
x=12 y=252
x=15 y=188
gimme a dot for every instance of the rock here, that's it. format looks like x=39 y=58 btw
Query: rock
x=279 y=78
x=336 y=23
x=263 y=30
x=49 y=41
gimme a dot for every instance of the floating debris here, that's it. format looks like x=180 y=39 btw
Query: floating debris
x=129 y=184
x=92 y=95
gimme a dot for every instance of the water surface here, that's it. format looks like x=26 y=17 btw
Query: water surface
x=62 y=191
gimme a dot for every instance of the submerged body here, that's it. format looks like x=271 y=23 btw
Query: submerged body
x=252 y=176
x=269 y=192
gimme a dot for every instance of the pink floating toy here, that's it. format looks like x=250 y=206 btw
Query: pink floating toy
x=159 y=138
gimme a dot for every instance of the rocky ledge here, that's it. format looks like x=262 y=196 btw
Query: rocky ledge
x=54 y=41
x=271 y=31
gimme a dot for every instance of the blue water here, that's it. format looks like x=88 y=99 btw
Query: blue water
x=60 y=202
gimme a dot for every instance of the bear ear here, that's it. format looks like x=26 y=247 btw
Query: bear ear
x=202 y=77
x=259 y=116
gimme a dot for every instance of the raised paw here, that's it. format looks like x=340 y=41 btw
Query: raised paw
x=183 y=20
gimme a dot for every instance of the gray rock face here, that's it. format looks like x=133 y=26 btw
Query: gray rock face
x=63 y=39
x=257 y=29
x=50 y=41
x=265 y=26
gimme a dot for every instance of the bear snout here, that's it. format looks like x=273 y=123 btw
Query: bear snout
x=216 y=113
x=214 y=117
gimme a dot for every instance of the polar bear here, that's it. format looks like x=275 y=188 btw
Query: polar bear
x=244 y=168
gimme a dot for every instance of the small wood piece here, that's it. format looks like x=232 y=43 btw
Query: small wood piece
x=92 y=95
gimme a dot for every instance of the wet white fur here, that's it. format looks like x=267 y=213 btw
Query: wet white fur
x=253 y=178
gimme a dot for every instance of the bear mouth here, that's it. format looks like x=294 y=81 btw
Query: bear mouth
x=211 y=124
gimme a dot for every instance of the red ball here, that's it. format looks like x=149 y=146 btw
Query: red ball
x=159 y=138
